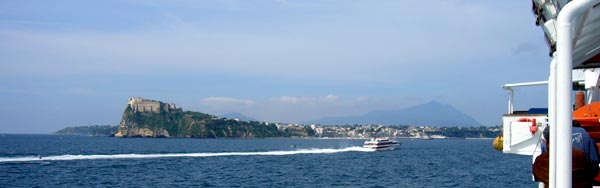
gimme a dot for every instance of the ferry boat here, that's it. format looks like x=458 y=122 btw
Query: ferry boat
x=380 y=144
x=571 y=31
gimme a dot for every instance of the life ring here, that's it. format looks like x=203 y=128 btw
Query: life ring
x=533 y=127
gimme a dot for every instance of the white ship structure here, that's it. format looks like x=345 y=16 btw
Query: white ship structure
x=380 y=144
x=572 y=31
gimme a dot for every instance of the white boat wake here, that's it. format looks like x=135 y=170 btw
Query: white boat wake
x=142 y=156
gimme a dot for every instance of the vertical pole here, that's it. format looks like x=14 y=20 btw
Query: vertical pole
x=564 y=114
x=564 y=68
x=510 y=101
x=552 y=120
x=589 y=94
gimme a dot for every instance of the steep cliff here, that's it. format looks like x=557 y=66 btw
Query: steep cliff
x=179 y=123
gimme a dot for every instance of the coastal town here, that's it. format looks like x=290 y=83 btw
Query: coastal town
x=337 y=131
x=395 y=131
x=152 y=118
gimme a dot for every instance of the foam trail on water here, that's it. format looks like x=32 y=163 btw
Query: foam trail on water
x=141 y=156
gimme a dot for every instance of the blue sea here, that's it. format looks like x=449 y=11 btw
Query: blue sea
x=81 y=161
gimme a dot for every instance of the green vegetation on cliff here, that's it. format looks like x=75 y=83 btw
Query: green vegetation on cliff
x=94 y=130
x=178 y=123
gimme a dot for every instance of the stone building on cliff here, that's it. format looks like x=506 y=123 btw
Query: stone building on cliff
x=139 y=104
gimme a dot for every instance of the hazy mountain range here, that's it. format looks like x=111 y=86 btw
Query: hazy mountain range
x=431 y=114
x=428 y=114
x=235 y=115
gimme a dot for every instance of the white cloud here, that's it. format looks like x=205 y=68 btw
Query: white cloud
x=304 y=100
x=330 y=98
x=288 y=99
x=362 y=98
x=218 y=101
x=297 y=109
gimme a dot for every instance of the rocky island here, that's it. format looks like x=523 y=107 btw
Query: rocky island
x=151 y=118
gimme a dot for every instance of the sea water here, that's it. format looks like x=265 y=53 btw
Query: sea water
x=80 y=161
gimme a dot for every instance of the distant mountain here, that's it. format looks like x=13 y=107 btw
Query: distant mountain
x=235 y=115
x=430 y=114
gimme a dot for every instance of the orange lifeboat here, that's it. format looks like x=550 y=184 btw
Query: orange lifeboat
x=589 y=118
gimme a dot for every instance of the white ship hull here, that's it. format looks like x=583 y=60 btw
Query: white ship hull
x=380 y=144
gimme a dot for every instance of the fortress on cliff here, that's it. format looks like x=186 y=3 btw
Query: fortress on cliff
x=139 y=104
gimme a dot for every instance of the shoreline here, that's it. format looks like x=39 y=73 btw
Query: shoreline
x=299 y=138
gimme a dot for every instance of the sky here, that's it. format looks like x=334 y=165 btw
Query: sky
x=75 y=63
